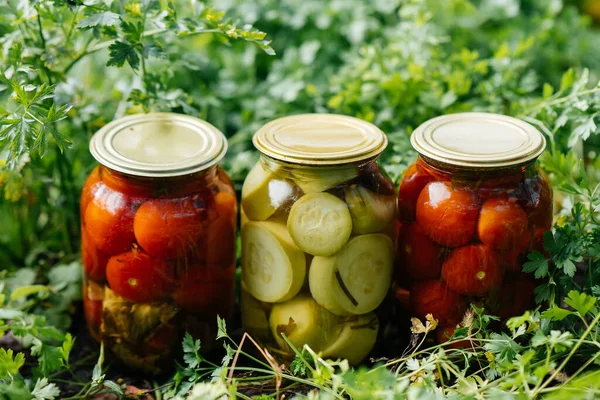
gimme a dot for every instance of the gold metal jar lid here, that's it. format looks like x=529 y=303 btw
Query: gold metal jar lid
x=478 y=140
x=320 y=139
x=158 y=145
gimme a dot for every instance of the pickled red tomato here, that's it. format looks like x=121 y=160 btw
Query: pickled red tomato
x=131 y=186
x=473 y=270
x=170 y=227
x=109 y=220
x=434 y=297
x=138 y=277
x=94 y=260
x=420 y=256
x=515 y=258
x=219 y=245
x=89 y=188
x=447 y=215
x=414 y=180
x=495 y=186
x=201 y=286
x=502 y=223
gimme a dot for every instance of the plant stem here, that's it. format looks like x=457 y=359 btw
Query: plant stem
x=43 y=40
x=566 y=360
x=105 y=44
x=577 y=373
x=558 y=100
x=69 y=382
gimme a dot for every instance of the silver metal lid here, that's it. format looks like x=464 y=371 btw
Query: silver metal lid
x=478 y=140
x=158 y=145
x=320 y=139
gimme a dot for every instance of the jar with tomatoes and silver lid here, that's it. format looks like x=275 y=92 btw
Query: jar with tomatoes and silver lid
x=318 y=217
x=471 y=208
x=158 y=232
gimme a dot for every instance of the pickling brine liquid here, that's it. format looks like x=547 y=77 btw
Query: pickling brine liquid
x=471 y=209
x=464 y=237
x=158 y=235
x=317 y=256
x=159 y=261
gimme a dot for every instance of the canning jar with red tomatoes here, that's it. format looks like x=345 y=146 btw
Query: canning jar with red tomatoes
x=471 y=209
x=317 y=237
x=158 y=231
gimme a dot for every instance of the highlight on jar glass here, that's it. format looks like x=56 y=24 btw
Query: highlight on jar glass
x=318 y=230
x=471 y=208
x=158 y=231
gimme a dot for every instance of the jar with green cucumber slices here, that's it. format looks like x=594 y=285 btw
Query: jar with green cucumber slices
x=318 y=236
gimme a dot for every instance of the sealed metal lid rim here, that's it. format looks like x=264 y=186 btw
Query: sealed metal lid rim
x=478 y=140
x=320 y=140
x=158 y=145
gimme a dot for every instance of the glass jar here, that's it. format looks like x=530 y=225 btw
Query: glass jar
x=158 y=237
x=471 y=208
x=318 y=227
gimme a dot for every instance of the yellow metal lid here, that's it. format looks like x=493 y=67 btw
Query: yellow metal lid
x=320 y=139
x=478 y=140
x=158 y=145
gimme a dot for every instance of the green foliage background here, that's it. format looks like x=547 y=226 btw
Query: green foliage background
x=70 y=66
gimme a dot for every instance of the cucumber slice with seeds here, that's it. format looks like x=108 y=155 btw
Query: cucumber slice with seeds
x=320 y=224
x=264 y=192
x=355 y=339
x=316 y=180
x=357 y=278
x=371 y=212
x=254 y=316
x=302 y=321
x=322 y=281
x=364 y=272
x=273 y=268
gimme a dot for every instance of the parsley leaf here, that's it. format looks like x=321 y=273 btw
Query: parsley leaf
x=106 y=18
x=121 y=52
x=538 y=264
x=298 y=365
x=65 y=349
x=503 y=347
x=43 y=390
x=221 y=328
x=49 y=357
x=581 y=302
x=191 y=350
x=556 y=313
x=10 y=366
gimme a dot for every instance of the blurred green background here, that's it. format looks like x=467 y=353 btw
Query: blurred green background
x=396 y=63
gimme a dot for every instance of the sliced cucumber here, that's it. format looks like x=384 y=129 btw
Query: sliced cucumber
x=371 y=212
x=273 y=268
x=303 y=321
x=243 y=218
x=309 y=258
x=357 y=278
x=254 y=316
x=320 y=224
x=355 y=340
x=320 y=179
x=264 y=192
x=322 y=281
